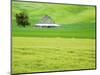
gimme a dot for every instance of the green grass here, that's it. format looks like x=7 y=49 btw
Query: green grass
x=66 y=31
x=52 y=54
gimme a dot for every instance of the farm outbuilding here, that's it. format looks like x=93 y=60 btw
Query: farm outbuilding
x=47 y=21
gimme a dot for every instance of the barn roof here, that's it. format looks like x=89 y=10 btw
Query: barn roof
x=47 y=21
x=47 y=25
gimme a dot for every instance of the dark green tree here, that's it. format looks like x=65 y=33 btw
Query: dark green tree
x=22 y=19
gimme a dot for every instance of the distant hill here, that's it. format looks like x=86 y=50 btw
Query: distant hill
x=61 y=13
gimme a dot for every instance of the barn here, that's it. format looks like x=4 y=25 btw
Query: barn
x=47 y=22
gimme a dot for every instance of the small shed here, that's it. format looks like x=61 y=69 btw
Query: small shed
x=47 y=21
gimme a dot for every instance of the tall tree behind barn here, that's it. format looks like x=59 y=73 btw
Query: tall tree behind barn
x=22 y=19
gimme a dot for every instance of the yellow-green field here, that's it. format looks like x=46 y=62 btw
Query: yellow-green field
x=34 y=54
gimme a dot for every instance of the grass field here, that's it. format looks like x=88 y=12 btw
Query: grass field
x=52 y=54
x=68 y=47
x=66 y=31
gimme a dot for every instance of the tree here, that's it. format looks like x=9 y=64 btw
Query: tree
x=22 y=19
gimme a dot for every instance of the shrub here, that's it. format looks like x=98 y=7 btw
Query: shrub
x=22 y=19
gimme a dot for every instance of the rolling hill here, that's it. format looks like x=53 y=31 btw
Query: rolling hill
x=61 y=13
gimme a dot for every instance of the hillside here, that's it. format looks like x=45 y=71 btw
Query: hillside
x=61 y=13
x=76 y=21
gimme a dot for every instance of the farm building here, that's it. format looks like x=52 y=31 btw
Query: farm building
x=47 y=21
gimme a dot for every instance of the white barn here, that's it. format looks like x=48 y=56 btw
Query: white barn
x=47 y=21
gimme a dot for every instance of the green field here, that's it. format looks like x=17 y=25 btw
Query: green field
x=68 y=47
x=52 y=54
x=66 y=31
